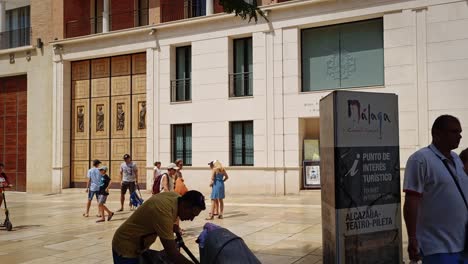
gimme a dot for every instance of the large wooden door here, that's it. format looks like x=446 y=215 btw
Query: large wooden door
x=13 y=108
x=108 y=114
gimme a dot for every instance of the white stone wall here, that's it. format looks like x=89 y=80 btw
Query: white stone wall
x=447 y=62
x=401 y=71
x=425 y=64
x=39 y=115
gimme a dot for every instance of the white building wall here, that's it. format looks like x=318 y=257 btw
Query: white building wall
x=39 y=115
x=447 y=62
x=400 y=53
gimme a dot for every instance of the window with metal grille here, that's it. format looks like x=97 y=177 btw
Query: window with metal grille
x=18 y=28
x=241 y=81
x=242 y=148
x=182 y=143
x=181 y=89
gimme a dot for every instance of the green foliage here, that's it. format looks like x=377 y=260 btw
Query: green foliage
x=243 y=8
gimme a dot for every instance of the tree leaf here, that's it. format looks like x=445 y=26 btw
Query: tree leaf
x=243 y=8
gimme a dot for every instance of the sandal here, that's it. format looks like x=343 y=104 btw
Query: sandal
x=100 y=220
x=220 y=216
x=211 y=217
x=110 y=216
x=85 y=215
x=120 y=210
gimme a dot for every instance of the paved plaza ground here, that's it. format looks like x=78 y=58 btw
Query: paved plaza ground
x=51 y=228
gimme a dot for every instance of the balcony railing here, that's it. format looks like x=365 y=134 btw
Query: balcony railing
x=177 y=10
x=241 y=84
x=121 y=20
x=15 y=38
x=181 y=90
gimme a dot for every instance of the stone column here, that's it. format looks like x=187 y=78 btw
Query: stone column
x=209 y=7
x=61 y=124
x=152 y=120
x=57 y=128
x=105 y=17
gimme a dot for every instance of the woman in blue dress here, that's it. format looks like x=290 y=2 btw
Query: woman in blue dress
x=218 y=177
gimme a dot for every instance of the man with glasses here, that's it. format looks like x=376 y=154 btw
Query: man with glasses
x=156 y=218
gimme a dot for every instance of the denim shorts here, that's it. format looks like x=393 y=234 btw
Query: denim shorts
x=91 y=194
x=102 y=198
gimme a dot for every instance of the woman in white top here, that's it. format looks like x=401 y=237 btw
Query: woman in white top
x=167 y=183
x=156 y=170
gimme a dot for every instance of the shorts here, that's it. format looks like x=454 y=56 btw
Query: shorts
x=446 y=258
x=102 y=198
x=91 y=194
x=123 y=260
x=127 y=185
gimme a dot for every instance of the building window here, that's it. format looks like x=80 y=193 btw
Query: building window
x=142 y=13
x=181 y=86
x=182 y=143
x=343 y=56
x=172 y=10
x=242 y=148
x=196 y=8
x=18 y=28
x=241 y=81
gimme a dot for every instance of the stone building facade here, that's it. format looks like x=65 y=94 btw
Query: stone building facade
x=166 y=79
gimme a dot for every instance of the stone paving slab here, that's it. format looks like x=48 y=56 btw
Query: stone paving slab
x=51 y=228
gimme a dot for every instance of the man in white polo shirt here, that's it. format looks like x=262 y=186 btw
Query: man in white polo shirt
x=435 y=211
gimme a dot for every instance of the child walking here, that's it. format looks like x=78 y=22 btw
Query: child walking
x=103 y=193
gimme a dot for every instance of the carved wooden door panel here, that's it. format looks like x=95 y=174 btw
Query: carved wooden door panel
x=139 y=121
x=80 y=121
x=109 y=114
x=121 y=105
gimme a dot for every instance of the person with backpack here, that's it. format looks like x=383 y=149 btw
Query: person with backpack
x=165 y=181
x=129 y=179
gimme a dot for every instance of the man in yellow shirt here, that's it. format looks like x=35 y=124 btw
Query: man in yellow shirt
x=156 y=218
